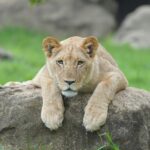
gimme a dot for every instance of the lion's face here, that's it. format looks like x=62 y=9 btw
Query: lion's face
x=70 y=62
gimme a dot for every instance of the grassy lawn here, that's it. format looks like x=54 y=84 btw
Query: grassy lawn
x=135 y=63
x=25 y=45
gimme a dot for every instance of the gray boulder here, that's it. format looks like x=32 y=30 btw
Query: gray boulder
x=109 y=5
x=60 y=17
x=135 y=29
x=5 y=55
x=21 y=127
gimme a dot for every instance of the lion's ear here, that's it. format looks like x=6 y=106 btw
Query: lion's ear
x=90 y=44
x=50 y=44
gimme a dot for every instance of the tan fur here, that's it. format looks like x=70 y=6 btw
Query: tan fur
x=90 y=67
x=99 y=74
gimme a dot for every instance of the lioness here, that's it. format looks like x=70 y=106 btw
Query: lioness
x=73 y=66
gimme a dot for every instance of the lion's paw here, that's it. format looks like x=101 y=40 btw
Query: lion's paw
x=94 y=117
x=52 y=118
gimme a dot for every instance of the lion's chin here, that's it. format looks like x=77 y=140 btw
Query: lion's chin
x=69 y=93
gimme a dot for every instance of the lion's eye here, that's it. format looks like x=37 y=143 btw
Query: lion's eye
x=60 y=62
x=80 y=62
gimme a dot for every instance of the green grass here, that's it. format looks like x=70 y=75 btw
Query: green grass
x=26 y=47
x=135 y=63
x=108 y=144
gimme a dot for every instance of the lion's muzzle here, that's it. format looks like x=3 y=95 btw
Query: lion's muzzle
x=69 y=93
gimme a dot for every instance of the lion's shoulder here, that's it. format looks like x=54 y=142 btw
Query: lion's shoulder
x=103 y=53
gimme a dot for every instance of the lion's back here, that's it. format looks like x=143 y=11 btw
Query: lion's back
x=102 y=52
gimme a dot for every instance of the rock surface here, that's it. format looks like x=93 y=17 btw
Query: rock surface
x=21 y=127
x=5 y=55
x=61 y=17
x=135 y=29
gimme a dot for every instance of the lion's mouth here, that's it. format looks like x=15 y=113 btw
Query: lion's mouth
x=69 y=92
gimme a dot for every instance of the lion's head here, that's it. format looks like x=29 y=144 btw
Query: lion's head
x=70 y=62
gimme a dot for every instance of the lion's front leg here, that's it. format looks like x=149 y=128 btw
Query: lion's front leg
x=97 y=107
x=95 y=113
x=52 y=113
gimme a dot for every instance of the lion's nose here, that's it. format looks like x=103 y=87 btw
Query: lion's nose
x=70 y=82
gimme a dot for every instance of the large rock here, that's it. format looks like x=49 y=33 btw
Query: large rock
x=5 y=55
x=135 y=29
x=109 y=5
x=21 y=127
x=60 y=17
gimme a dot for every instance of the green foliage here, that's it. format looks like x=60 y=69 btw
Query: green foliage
x=33 y=2
x=109 y=144
x=135 y=63
x=27 y=52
